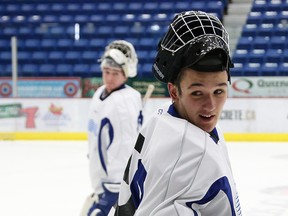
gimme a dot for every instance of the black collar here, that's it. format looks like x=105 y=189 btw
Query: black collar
x=105 y=95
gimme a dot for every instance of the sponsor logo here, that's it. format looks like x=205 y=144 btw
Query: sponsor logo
x=70 y=89
x=55 y=110
x=30 y=114
x=56 y=116
x=238 y=115
x=5 y=89
x=90 y=85
x=10 y=110
x=272 y=83
x=160 y=74
x=243 y=86
x=16 y=111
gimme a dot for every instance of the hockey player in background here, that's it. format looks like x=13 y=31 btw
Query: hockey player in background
x=114 y=119
x=180 y=165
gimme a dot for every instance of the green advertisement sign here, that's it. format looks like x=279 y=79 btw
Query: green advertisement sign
x=90 y=85
x=10 y=110
x=141 y=85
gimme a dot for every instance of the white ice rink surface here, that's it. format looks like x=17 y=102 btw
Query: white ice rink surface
x=50 y=178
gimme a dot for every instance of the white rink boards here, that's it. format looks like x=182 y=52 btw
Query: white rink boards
x=51 y=177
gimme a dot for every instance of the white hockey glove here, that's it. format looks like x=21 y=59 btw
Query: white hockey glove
x=101 y=205
x=96 y=212
x=90 y=200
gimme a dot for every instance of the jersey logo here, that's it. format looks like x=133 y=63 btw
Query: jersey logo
x=92 y=127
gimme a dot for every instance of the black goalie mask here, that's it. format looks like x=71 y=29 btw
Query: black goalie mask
x=194 y=40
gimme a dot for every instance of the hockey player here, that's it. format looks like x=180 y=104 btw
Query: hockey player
x=114 y=119
x=179 y=165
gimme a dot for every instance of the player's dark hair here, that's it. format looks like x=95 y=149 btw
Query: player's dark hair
x=177 y=81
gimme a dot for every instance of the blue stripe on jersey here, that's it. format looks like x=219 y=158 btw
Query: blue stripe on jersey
x=137 y=184
x=220 y=184
x=104 y=123
x=140 y=120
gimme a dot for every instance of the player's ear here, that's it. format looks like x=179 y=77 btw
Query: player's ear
x=172 y=91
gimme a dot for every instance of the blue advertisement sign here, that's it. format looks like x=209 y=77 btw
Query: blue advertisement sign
x=42 y=88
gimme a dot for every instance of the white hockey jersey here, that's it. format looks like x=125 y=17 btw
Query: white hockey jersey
x=112 y=131
x=177 y=169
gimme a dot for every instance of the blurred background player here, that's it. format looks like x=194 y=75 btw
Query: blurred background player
x=180 y=164
x=114 y=118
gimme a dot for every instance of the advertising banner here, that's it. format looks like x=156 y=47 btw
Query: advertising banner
x=259 y=87
x=255 y=115
x=244 y=87
x=90 y=85
x=245 y=115
x=42 y=87
x=264 y=116
x=43 y=115
x=141 y=85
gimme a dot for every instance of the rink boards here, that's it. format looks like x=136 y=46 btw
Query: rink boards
x=242 y=119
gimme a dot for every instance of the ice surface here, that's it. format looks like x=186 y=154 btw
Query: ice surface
x=50 y=178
